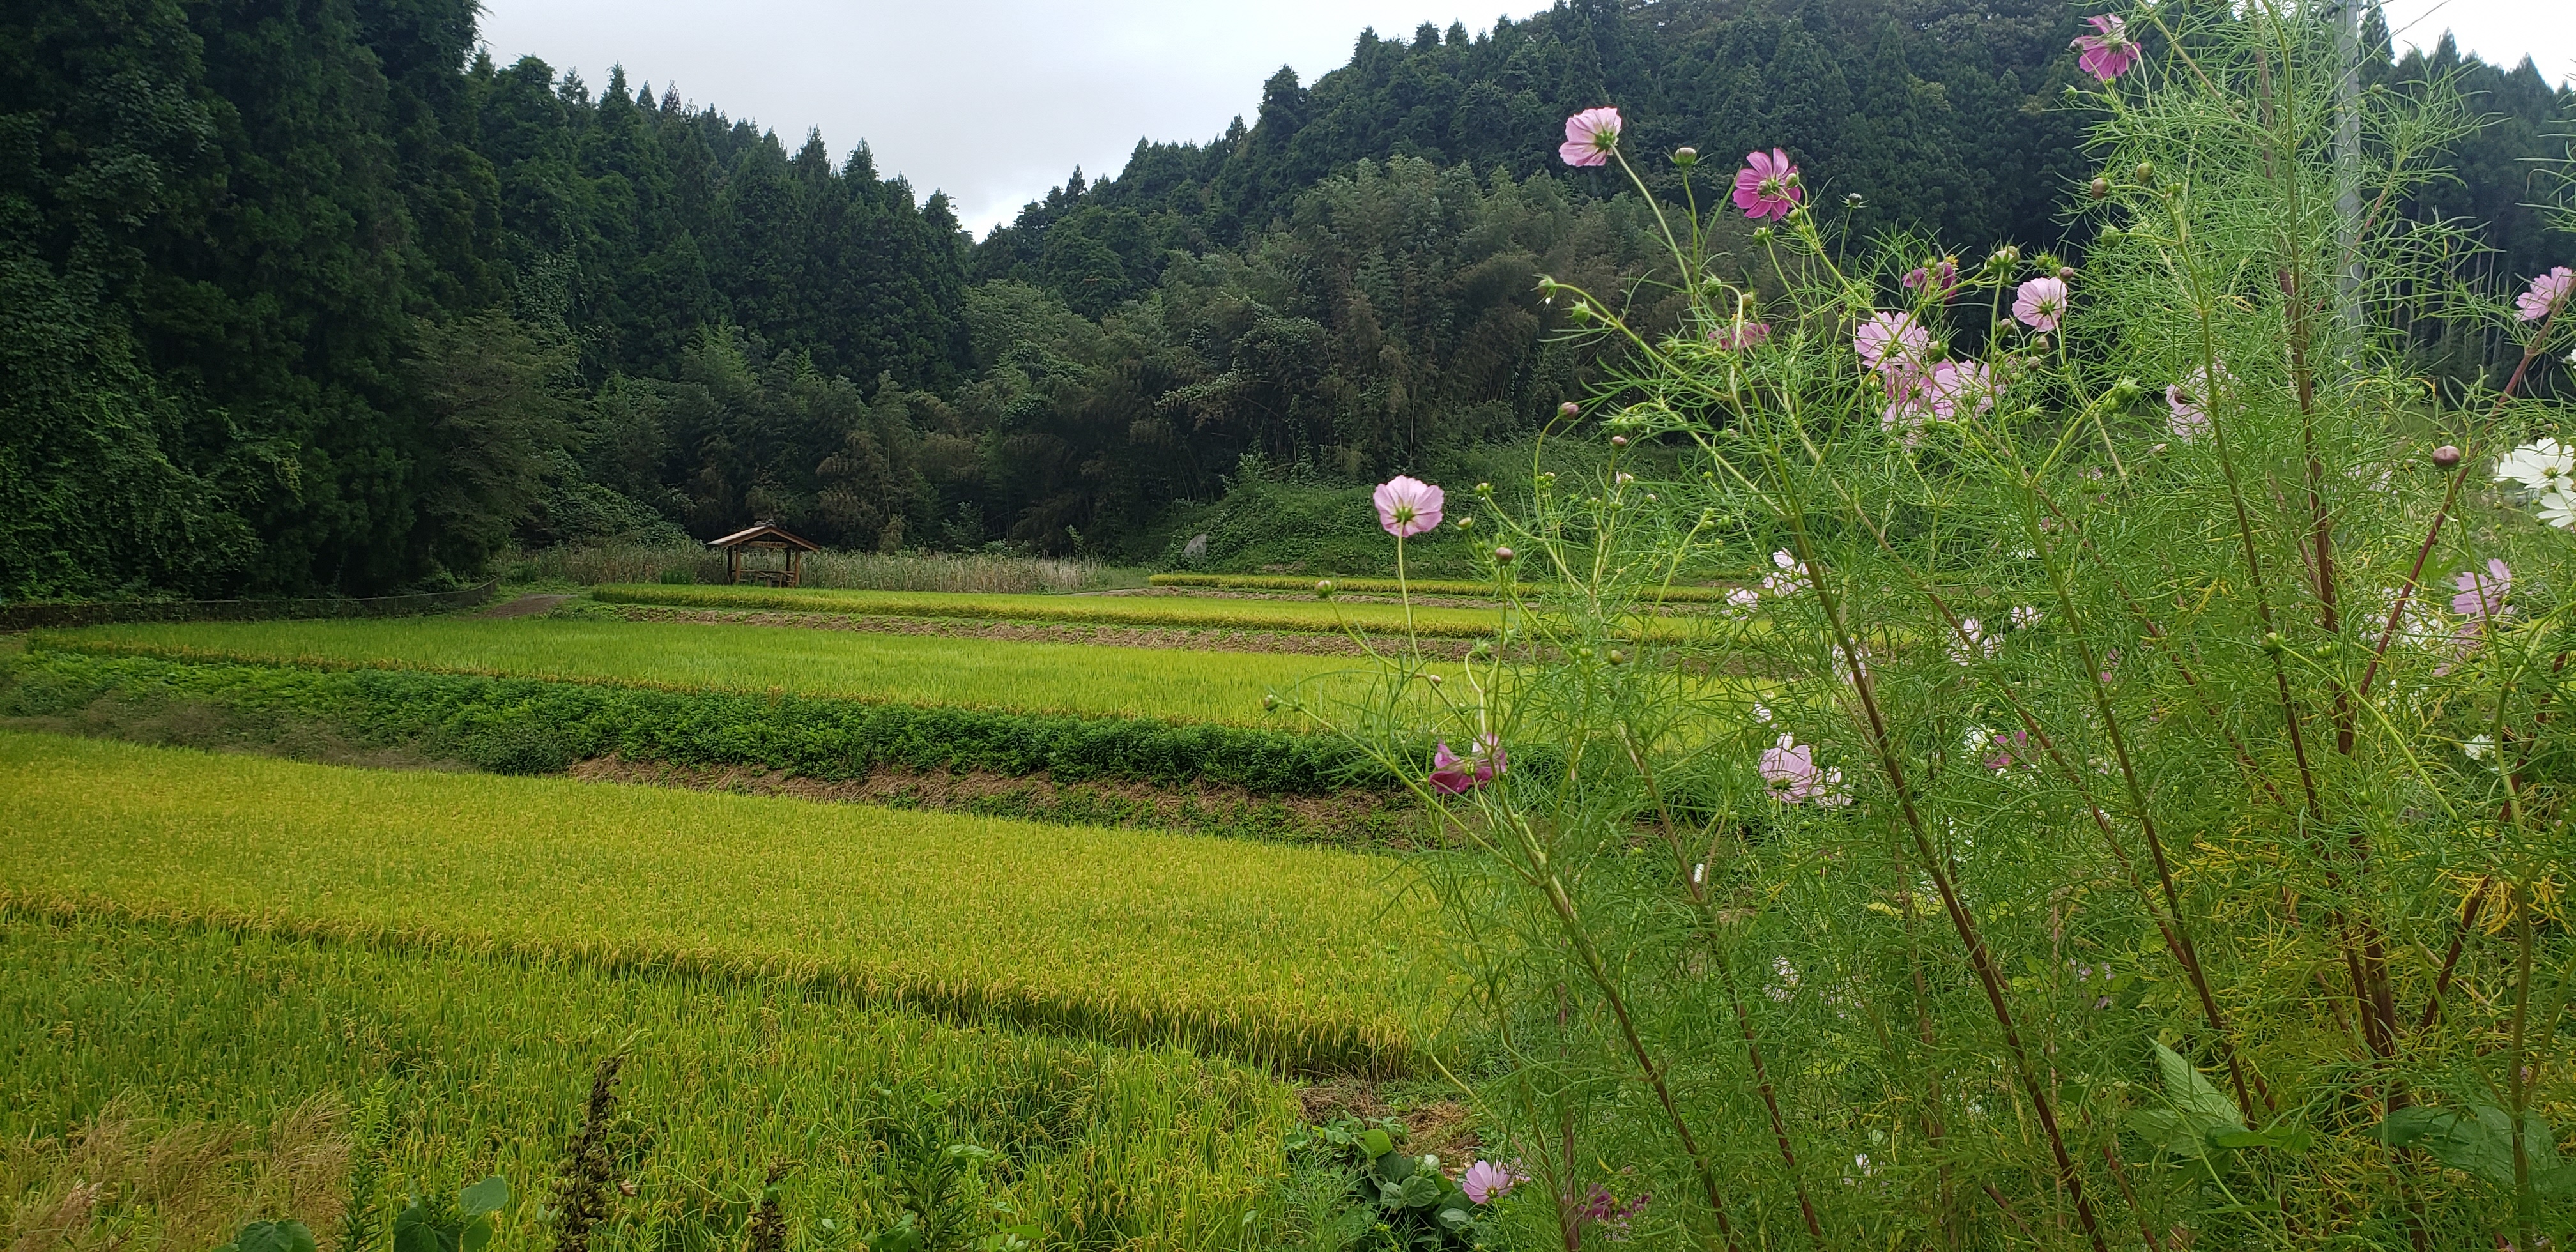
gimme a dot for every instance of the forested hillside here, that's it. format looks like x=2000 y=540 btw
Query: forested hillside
x=313 y=295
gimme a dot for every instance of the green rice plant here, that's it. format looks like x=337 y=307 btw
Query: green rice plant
x=446 y=1066
x=2159 y=833
x=535 y=726
x=1054 y=678
x=1321 y=615
x=1297 y=957
x=1390 y=586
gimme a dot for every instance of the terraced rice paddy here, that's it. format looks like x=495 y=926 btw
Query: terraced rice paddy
x=968 y=673
x=1293 y=956
x=384 y=1070
x=1233 y=613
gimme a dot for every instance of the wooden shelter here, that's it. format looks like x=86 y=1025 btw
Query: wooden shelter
x=764 y=555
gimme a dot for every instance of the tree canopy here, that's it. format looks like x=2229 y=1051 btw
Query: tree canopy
x=316 y=296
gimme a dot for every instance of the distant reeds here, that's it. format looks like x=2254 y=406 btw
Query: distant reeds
x=599 y=564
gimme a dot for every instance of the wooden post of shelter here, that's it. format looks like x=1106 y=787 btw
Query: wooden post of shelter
x=765 y=555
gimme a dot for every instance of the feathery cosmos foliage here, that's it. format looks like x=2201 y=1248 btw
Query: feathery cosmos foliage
x=2149 y=831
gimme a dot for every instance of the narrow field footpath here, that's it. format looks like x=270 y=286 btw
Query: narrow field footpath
x=1298 y=958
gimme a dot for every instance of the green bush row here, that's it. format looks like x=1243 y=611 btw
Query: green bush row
x=534 y=726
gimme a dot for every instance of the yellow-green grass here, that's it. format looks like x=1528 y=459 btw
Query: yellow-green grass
x=1166 y=683
x=1390 y=586
x=1211 y=613
x=1285 y=955
x=448 y=1066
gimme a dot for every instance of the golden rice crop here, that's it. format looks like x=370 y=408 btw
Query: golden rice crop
x=1291 y=955
x=968 y=673
x=1241 y=613
x=393 y=1070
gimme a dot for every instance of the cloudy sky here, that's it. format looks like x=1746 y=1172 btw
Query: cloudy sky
x=994 y=101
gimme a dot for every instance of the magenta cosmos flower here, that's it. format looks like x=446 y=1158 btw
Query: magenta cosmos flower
x=2108 y=53
x=1942 y=276
x=1454 y=775
x=1407 y=506
x=1892 y=341
x=1589 y=137
x=1767 y=186
x=1789 y=770
x=2547 y=292
x=2040 y=304
x=1484 y=1182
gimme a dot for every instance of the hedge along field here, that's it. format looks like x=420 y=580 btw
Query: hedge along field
x=1064 y=678
x=446 y=1067
x=535 y=726
x=1317 y=615
x=1288 y=956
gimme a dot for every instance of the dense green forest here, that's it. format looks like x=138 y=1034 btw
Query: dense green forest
x=303 y=295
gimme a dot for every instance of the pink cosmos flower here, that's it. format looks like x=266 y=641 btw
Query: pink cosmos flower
x=1961 y=385
x=1768 y=186
x=1407 y=506
x=2547 y=292
x=1454 y=775
x=1789 y=770
x=1890 y=340
x=1943 y=274
x=1909 y=402
x=2041 y=303
x=1974 y=641
x=2189 y=400
x=1589 y=137
x=1484 y=1182
x=2009 y=750
x=2108 y=54
x=2482 y=592
x=1741 y=336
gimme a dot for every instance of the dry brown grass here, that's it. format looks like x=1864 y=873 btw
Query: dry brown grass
x=124 y=1181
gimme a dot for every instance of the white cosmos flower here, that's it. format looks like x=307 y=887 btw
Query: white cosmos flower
x=2545 y=465
x=2479 y=748
x=2558 y=508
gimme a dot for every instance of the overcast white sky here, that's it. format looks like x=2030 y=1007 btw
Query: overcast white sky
x=995 y=101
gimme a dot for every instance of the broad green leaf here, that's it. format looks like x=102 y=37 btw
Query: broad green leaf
x=1453 y=1219
x=487 y=1196
x=1375 y=1143
x=2291 y=1139
x=274 y=1237
x=2192 y=1094
x=2477 y=1141
x=476 y=1235
x=413 y=1231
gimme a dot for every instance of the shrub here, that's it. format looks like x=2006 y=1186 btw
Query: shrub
x=532 y=726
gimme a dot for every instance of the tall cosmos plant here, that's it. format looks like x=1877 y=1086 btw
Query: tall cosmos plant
x=2121 y=801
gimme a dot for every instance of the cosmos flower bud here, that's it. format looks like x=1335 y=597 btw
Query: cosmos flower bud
x=1503 y=555
x=1569 y=409
x=2446 y=456
x=1685 y=157
x=2146 y=173
x=1618 y=441
x=2101 y=189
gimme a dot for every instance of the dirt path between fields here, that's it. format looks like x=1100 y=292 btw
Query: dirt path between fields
x=525 y=606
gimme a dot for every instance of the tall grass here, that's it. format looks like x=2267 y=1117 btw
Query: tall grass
x=1290 y=956
x=139 y=1051
x=1028 y=677
x=593 y=565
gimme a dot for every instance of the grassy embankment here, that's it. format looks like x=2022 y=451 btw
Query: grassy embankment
x=221 y=1074
x=679 y=656
x=1295 y=957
